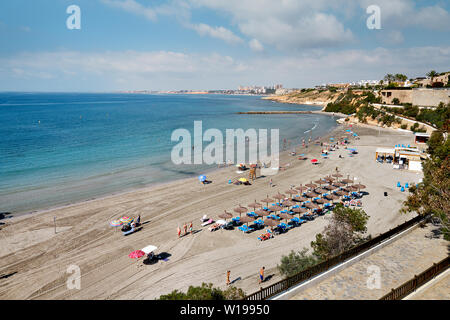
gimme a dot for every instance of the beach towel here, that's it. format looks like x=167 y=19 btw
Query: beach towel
x=207 y=222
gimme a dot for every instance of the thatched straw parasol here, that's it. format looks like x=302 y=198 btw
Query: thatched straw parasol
x=225 y=215
x=255 y=205
x=301 y=188
x=240 y=210
x=267 y=200
x=275 y=208
x=299 y=210
x=262 y=213
x=270 y=223
x=311 y=185
x=279 y=196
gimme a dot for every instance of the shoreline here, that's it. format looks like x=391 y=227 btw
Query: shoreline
x=147 y=188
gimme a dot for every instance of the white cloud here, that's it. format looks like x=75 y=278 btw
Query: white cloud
x=404 y=14
x=164 y=70
x=217 y=32
x=255 y=45
x=286 y=24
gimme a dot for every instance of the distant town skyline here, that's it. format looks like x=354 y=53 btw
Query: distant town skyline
x=210 y=44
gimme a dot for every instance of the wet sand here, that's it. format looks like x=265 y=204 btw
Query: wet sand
x=34 y=260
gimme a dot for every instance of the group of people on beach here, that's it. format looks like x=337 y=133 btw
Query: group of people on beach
x=261 y=276
x=185 y=227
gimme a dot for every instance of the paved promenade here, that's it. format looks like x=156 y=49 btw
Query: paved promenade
x=436 y=289
x=397 y=262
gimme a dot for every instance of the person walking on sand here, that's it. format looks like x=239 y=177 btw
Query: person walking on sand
x=270 y=182
x=179 y=231
x=261 y=275
x=185 y=228
x=190 y=228
x=228 y=277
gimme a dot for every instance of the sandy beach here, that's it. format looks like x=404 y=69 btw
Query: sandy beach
x=34 y=260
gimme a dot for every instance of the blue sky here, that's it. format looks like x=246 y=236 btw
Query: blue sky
x=212 y=44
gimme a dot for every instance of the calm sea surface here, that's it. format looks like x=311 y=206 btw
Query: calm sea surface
x=57 y=149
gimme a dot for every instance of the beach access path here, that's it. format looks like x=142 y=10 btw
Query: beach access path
x=397 y=263
x=36 y=262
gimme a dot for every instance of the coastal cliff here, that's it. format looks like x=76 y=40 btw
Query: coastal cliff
x=306 y=96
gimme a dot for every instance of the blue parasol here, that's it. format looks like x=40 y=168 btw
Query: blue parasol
x=202 y=178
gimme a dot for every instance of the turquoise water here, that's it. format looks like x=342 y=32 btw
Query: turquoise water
x=57 y=149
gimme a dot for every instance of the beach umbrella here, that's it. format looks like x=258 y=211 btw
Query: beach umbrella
x=314 y=161
x=202 y=178
x=301 y=188
x=311 y=185
x=338 y=184
x=321 y=201
x=329 y=187
x=320 y=181
x=337 y=175
x=115 y=223
x=262 y=213
x=320 y=190
x=275 y=208
x=126 y=219
x=301 y=199
x=289 y=203
x=311 y=205
x=246 y=219
x=240 y=210
x=351 y=188
x=254 y=205
x=225 y=215
x=329 y=179
x=291 y=191
x=136 y=254
x=346 y=181
x=285 y=216
x=279 y=196
x=311 y=194
x=267 y=200
x=270 y=223
x=341 y=193
x=331 y=197
x=359 y=186
x=299 y=210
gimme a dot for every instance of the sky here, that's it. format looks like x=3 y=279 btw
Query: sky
x=216 y=44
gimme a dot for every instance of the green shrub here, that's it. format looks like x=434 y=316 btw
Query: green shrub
x=296 y=262
x=205 y=292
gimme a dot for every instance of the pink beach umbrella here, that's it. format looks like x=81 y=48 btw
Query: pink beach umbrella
x=136 y=254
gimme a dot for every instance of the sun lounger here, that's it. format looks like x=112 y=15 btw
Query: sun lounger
x=125 y=233
x=207 y=222
x=204 y=218
x=265 y=236
x=283 y=226
x=228 y=225
x=214 y=227
x=245 y=229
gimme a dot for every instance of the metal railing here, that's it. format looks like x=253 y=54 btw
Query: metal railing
x=307 y=274
x=413 y=284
